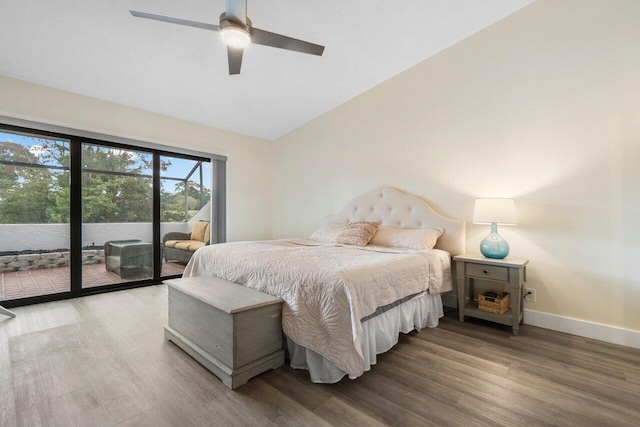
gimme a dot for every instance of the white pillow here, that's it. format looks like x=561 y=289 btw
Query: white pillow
x=410 y=238
x=327 y=233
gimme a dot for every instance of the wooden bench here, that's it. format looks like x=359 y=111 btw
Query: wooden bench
x=232 y=330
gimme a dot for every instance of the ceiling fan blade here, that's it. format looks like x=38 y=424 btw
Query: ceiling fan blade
x=170 y=20
x=237 y=10
x=266 y=38
x=235 y=59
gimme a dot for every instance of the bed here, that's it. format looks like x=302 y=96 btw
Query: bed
x=345 y=304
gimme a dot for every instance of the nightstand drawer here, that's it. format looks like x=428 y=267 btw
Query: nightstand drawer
x=492 y=272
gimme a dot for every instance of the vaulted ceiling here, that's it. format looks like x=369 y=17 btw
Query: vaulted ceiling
x=96 y=48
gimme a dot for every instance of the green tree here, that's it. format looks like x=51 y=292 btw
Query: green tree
x=26 y=193
x=116 y=185
x=173 y=201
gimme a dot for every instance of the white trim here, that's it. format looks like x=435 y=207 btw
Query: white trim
x=596 y=331
x=581 y=328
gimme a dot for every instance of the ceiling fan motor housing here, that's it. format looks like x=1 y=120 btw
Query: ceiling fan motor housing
x=234 y=33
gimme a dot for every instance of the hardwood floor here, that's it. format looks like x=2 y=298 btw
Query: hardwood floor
x=101 y=360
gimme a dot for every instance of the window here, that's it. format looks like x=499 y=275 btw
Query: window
x=82 y=215
x=185 y=199
x=34 y=215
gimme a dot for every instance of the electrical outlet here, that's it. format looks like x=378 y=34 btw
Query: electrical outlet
x=529 y=294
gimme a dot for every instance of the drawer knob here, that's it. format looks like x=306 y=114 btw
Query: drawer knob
x=485 y=271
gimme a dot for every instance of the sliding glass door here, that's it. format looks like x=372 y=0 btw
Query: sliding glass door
x=79 y=215
x=34 y=215
x=117 y=215
x=184 y=201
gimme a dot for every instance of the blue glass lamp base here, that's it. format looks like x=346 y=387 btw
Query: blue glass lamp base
x=494 y=246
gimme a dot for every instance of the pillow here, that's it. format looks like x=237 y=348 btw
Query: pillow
x=410 y=238
x=327 y=232
x=198 y=230
x=206 y=237
x=356 y=233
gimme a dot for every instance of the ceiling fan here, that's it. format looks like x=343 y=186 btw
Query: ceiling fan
x=237 y=32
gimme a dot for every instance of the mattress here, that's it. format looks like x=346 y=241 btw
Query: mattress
x=327 y=289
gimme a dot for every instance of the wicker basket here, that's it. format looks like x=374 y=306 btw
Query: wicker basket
x=494 y=305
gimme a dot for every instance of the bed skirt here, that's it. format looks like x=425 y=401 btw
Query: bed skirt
x=379 y=334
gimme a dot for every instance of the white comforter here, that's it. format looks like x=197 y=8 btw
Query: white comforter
x=326 y=289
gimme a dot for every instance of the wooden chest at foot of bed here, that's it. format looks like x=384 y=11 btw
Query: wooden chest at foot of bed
x=233 y=331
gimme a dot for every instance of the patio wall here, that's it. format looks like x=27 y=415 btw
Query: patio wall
x=28 y=262
x=45 y=237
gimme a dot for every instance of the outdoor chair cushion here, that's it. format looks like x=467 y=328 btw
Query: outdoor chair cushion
x=189 y=245
x=175 y=243
x=200 y=230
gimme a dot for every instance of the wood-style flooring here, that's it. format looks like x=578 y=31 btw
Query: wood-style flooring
x=101 y=360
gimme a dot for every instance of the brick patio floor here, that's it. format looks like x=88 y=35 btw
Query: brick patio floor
x=21 y=284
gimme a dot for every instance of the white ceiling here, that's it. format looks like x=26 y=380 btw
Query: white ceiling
x=97 y=48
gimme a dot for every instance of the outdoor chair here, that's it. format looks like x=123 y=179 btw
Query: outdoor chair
x=179 y=247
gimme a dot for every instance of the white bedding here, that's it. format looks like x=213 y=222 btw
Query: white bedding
x=379 y=334
x=326 y=288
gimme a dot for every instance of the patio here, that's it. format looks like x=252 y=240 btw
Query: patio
x=22 y=284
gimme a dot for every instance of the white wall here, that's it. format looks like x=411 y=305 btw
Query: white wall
x=249 y=159
x=43 y=237
x=544 y=107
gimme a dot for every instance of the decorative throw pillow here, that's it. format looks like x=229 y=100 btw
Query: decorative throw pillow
x=356 y=233
x=409 y=238
x=206 y=237
x=327 y=233
x=198 y=230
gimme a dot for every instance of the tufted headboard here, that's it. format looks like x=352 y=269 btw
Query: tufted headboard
x=393 y=208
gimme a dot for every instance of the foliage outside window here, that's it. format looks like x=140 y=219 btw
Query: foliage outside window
x=183 y=192
x=116 y=184
x=34 y=186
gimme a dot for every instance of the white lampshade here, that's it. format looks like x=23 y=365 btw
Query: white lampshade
x=501 y=211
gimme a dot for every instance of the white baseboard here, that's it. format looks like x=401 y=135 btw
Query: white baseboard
x=581 y=328
x=596 y=331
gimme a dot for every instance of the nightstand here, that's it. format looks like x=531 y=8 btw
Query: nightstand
x=508 y=274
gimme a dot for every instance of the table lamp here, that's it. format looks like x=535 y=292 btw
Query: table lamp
x=494 y=212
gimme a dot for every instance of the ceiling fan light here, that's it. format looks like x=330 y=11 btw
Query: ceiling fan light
x=235 y=36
